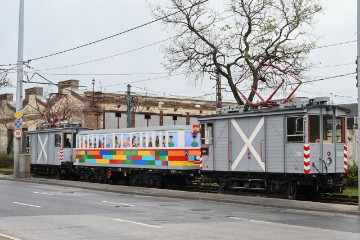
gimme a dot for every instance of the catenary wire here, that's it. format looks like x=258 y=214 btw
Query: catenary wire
x=114 y=35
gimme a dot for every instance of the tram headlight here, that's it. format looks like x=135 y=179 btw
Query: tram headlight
x=328 y=161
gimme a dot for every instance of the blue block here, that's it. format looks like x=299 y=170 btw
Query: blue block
x=148 y=158
x=104 y=152
x=91 y=160
x=139 y=162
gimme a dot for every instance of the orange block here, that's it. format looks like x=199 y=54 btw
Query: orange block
x=194 y=152
x=176 y=152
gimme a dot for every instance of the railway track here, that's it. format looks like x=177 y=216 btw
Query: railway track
x=324 y=197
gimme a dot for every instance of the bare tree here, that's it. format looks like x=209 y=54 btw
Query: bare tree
x=4 y=80
x=57 y=108
x=251 y=41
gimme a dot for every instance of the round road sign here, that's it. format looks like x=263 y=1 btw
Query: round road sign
x=17 y=133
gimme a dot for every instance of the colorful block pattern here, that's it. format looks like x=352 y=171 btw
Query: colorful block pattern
x=139 y=157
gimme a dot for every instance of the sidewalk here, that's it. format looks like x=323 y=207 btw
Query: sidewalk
x=255 y=201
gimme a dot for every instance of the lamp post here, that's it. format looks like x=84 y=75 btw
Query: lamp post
x=358 y=85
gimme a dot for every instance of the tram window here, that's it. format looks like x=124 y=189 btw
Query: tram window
x=163 y=141
x=328 y=129
x=109 y=141
x=173 y=139
x=340 y=130
x=144 y=140
x=157 y=139
x=57 y=140
x=150 y=142
x=67 y=140
x=94 y=141
x=314 y=129
x=135 y=141
x=295 y=129
x=117 y=140
x=90 y=141
x=101 y=141
x=206 y=132
x=74 y=139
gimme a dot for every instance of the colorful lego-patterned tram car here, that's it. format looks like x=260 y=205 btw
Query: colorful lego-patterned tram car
x=282 y=148
x=151 y=156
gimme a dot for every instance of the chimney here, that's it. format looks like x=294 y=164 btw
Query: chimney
x=72 y=84
x=37 y=91
x=6 y=97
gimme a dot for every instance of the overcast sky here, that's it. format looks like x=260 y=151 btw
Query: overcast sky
x=55 y=25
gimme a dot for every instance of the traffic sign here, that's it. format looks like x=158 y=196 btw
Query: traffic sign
x=18 y=123
x=17 y=133
x=18 y=115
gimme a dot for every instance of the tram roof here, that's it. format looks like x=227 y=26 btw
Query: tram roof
x=240 y=111
x=138 y=129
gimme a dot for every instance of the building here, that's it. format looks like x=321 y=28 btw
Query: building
x=97 y=110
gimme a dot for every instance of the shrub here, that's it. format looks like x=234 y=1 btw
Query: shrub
x=6 y=160
x=352 y=176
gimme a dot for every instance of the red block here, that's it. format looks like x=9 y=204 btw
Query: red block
x=116 y=162
x=135 y=157
x=177 y=158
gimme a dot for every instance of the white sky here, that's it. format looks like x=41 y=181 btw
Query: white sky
x=55 y=25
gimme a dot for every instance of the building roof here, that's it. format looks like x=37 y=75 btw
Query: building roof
x=353 y=109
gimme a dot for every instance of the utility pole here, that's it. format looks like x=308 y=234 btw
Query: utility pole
x=18 y=107
x=93 y=95
x=128 y=107
x=218 y=90
x=358 y=86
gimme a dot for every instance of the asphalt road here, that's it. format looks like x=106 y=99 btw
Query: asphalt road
x=40 y=211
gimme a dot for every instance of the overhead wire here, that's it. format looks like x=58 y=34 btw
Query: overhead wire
x=335 y=44
x=114 y=35
x=108 y=57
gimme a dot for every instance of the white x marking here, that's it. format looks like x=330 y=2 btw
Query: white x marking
x=42 y=151
x=248 y=144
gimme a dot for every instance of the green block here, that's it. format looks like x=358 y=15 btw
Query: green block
x=150 y=162
x=128 y=162
x=131 y=153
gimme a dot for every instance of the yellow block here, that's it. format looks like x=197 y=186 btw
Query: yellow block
x=144 y=153
x=177 y=163
x=79 y=152
x=102 y=161
x=119 y=157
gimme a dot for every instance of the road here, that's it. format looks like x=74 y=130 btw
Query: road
x=40 y=211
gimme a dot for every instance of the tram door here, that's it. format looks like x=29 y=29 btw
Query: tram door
x=327 y=139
